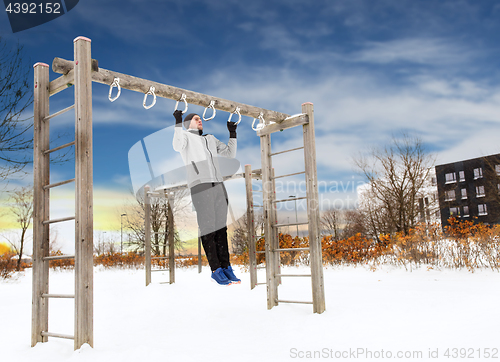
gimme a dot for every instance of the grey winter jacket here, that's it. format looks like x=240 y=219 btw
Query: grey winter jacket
x=199 y=154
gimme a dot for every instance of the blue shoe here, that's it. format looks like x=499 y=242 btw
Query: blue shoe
x=230 y=275
x=220 y=277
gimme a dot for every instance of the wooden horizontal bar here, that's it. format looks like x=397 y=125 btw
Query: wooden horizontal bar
x=58 y=257
x=259 y=252
x=58 y=220
x=59 y=113
x=160 y=233
x=290 y=174
x=291 y=224
x=257 y=205
x=293 y=301
x=62 y=66
x=292 y=199
x=260 y=283
x=63 y=82
x=157 y=270
x=58 y=296
x=58 y=184
x=293 y=149
x=129 y=82
x=159 y=257
x=57 y=335
x=261 y=267
x=59 y=147
x=293 y=275
x=289 y=122
x=291 y=249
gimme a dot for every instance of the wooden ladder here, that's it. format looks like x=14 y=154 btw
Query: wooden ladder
x=83 y=296
x=273 y=271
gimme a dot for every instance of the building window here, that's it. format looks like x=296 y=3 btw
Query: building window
x=482 y=210
x=478 y=173
x=454 y=211
x=464 y=194
x=480 y=191
x=461 y=176
x=451 y=177
x=466 y=211
x=497 y=169
x=449 y=195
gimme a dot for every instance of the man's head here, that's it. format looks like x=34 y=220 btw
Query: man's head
x=193 y=121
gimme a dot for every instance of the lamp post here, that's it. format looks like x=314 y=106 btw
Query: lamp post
x=121 y=232
x=296 y=219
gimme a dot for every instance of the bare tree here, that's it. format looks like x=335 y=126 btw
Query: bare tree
x=341 y=223
x=397 y=177
x=240 y=238
x=22 y=208
x=159 y=222
x=15 y=98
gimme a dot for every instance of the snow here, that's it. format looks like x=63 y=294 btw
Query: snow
x=380 y=312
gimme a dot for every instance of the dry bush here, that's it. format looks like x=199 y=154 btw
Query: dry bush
x=7 y=265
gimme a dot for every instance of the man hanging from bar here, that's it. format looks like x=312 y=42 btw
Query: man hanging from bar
x=199 y=152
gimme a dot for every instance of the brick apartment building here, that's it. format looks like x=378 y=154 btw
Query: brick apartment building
x=470 y=190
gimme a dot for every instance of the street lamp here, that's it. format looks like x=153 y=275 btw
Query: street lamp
x=296 y=219
x=121 y=232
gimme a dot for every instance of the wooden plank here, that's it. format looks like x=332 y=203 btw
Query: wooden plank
x=267 y=187
x=289 y=122
x=129 y=82
x=147 y=234
x=171 y=239
x=84 y=282
x=41 y=167
x=313 y=216
x=252 y=256
x=63 y=82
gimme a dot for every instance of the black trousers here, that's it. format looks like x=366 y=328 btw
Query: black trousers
x=210 y=202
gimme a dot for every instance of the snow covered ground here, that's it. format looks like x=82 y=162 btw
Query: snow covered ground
x=386 y=314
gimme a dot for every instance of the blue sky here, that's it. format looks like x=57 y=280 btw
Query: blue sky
x=371 y=68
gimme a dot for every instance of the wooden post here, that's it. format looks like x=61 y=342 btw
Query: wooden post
x=267 y=189
x=171 y=239
x=252 y=256
x=84 y=283
x=41 y=168
x=313 y=211
x=276 y=238
x=147 y=234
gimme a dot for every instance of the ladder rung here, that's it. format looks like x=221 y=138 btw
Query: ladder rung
x=58 y=220
x=293 y=149
x=292 y=199
x=261 y=267
x=290 y=174
x=257 y=191
x=157 y=270
x=158 y=232
x=159 y=257
x=60 y=147
x=58 y=257
x=259 y=252
x=57 y=335
x=260 y=283
x=291 y=249
x=291 y=224
x=293 y=301
x=58 y=184
x=293 y=275
x=58 y=295
x=158 y=245
x=257 y=206
x=59 y=113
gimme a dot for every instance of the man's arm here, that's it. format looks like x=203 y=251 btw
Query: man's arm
x=180 y=141
x=228 y=150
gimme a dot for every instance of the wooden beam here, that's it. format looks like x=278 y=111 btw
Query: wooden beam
x=41 y=167
x=315 y=256
x=289 y=122
x=147 y=234
x=140 y=85
x=252 y=256
x=63 y=82
x=84 y=226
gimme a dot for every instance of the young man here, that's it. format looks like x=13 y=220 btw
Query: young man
x=199 y=153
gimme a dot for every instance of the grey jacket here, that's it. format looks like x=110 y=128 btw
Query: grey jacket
x=199 y=154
